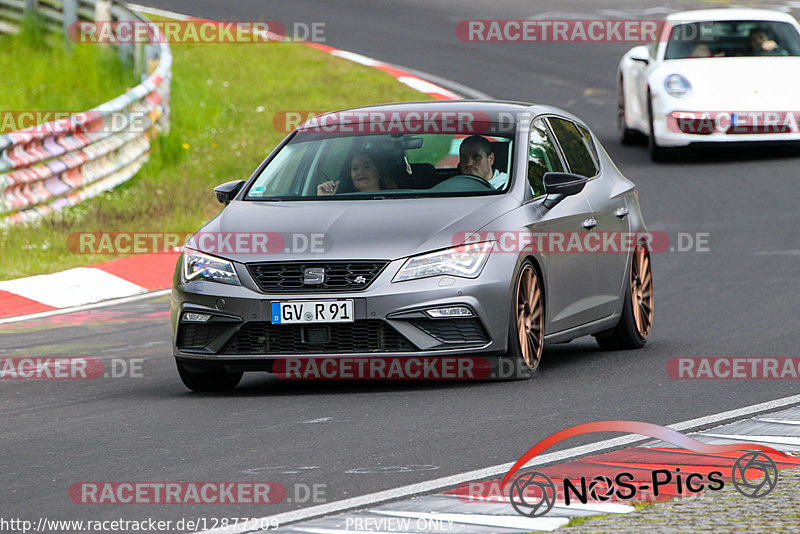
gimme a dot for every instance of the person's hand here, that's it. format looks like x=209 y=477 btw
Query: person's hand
x=769 y=46
x=327 y=188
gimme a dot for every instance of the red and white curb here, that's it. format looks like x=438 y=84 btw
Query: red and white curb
x=115 y=279
x=138 y=275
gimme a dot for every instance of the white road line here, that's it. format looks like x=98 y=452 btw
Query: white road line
x=453 y=480
x=486 y=520
x=775 y=440
x=778 y=421
x=63 y=311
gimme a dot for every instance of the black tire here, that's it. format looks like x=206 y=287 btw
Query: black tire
x=657 y=153
x=627 y=334
x=520 y=367
x=626 y=136
x=210 y=379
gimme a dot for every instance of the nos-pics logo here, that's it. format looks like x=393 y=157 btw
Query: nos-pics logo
x=533 y=494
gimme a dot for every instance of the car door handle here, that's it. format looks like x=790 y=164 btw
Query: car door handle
x=621 y=212
x=589 y=224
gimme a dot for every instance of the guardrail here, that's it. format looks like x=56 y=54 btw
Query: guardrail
x=48 y=167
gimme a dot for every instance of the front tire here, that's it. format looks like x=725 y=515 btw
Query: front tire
x=636 y=322
x=526 y=328
x=626 y=135
x=216 y=379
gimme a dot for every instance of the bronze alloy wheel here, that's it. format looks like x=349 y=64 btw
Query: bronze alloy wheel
x=641 y=288
x=530 y=317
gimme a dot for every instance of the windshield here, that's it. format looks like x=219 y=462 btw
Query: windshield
x=732 y=38
x=325 y=166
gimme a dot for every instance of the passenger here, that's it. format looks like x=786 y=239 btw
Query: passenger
x=365 y=176
x=701 y=50
x=762 y=45
x=476 y=157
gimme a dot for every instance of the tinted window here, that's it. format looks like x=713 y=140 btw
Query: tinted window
x=542 y=157
x=732 y=38
x=579 y=158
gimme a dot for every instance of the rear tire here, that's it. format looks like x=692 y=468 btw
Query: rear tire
x=217 y=379
x=526 y=324
x=636 y=322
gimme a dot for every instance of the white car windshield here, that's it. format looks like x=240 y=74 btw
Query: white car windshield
x=732 y=38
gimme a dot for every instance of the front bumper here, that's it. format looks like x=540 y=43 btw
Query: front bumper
x=389 y=319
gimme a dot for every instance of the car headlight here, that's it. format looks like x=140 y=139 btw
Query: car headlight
x=199 y=266
x=677 y=86
x=466 y=261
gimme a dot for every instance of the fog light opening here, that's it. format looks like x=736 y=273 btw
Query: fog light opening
x=449 y=311
x=192 y=317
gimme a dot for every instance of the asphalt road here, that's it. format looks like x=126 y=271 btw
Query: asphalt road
x=739 y=298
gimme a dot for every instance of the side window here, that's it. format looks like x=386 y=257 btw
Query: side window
x=579 y=158
x=587 y=138
x=542 y=157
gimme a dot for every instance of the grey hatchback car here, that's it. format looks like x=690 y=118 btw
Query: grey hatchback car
x=415 y=240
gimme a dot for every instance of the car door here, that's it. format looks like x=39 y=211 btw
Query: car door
x=610 y=209
x=570 y=284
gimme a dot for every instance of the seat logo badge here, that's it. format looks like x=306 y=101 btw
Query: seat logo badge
x=360 y=279
x=314 y=276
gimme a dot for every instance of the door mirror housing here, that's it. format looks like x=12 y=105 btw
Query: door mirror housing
x=227 y=191
x=640 y=53
x=559 y=185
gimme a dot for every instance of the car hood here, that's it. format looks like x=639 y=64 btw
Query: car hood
x=367 y=229
x=739 y=83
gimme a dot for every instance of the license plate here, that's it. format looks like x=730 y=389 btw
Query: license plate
x=311 y=311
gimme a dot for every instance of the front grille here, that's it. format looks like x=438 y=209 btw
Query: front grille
x=460 y=331
x=195 y=336
x=359 y=336
x=274 y=277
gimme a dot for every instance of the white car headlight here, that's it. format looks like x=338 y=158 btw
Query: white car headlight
x=199 y=266
x=466 y=261
x=677 y=86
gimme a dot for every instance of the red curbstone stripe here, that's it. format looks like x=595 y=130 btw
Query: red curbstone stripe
x=151 y=271
x=12 y=305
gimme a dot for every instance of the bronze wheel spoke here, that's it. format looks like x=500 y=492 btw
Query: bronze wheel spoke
x=530 y=317
x=641 y=291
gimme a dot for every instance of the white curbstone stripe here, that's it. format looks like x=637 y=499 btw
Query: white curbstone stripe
x=73 y=287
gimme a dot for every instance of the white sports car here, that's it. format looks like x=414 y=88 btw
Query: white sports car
x=717 y=75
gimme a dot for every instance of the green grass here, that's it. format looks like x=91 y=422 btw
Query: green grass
x=41 y=73
x=224 y=98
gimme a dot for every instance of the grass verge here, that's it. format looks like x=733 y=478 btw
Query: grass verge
x=224 y=98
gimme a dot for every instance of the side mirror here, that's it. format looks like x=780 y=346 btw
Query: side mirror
x=559 y=185
x=227 y=191
x=640 y=53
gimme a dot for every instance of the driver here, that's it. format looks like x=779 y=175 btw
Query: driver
x=475 y=157
x=762 y=45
